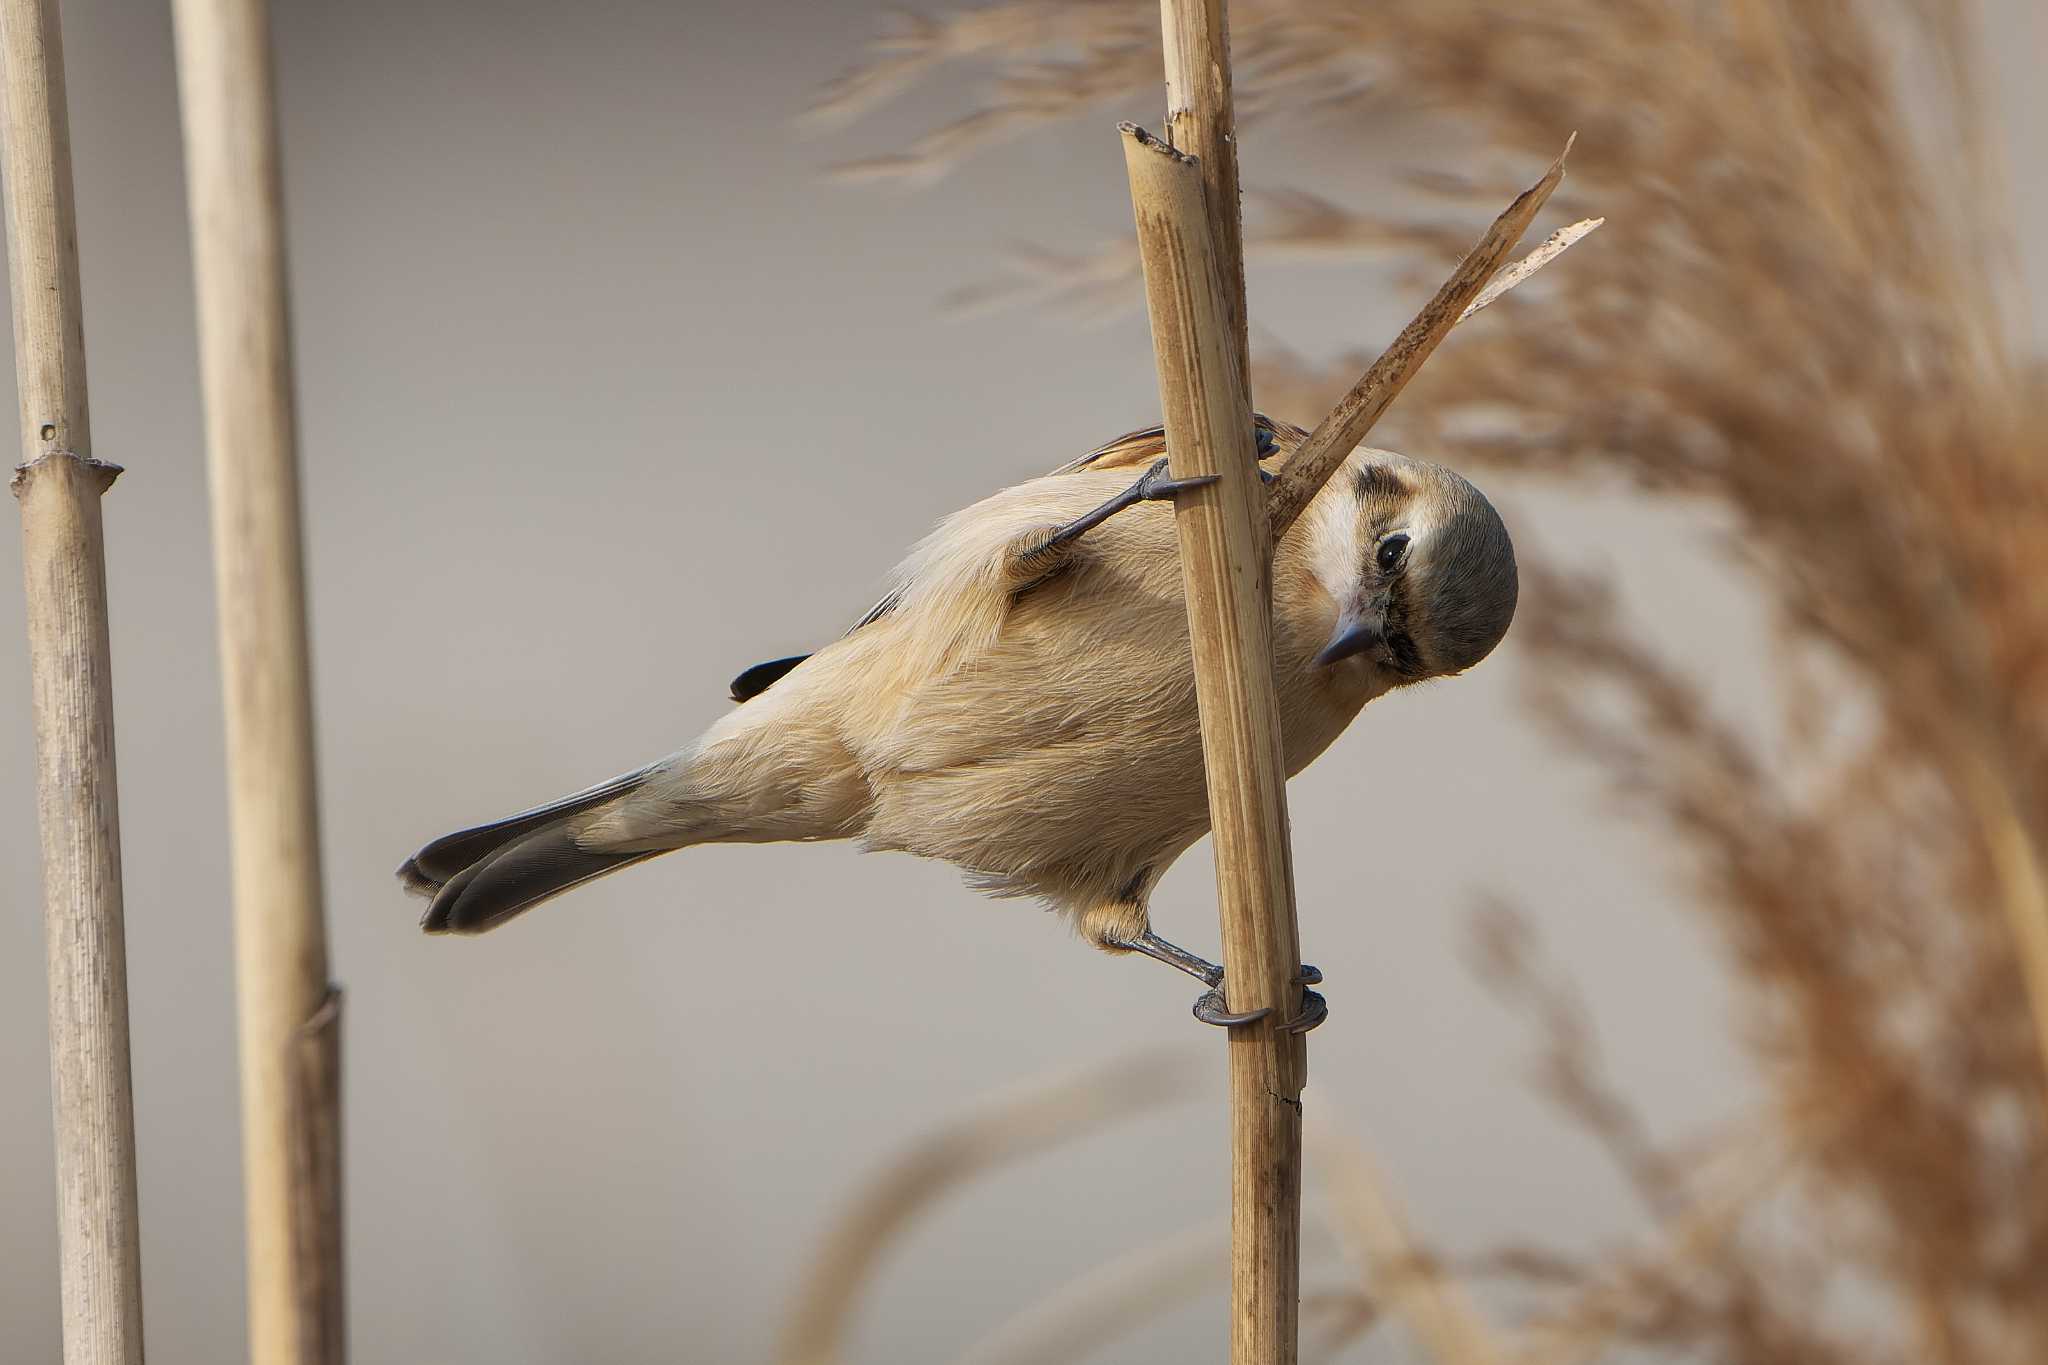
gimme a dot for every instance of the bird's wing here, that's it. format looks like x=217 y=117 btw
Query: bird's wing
x=1135 y=449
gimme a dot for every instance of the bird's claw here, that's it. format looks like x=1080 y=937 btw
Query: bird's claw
x=1154 y=486
x=1314 y=1009
x=1212 y=1009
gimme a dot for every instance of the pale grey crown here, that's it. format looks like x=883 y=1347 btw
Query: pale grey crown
x=1469 y=585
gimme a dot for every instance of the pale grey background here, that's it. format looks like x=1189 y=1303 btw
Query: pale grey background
x=607 y=395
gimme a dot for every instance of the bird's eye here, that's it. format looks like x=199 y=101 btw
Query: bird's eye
x=1392 y=550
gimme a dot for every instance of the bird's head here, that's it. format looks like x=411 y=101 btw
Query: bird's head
x=1420 y=566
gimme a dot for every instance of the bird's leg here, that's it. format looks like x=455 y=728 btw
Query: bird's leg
x=1152 y=486
x=1210 y=1008
x=1173 y=955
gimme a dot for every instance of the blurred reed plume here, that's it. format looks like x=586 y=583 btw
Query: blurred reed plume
x=1798 y=313
x=999 y=1130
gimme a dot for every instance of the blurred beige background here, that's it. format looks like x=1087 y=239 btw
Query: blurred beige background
x=607 y=394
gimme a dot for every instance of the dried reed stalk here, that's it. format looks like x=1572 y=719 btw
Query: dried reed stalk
x=63 y=554
x=1201 y=121
x=1553 y=246
x=1340 y=433
x=289 y=1023
x=1004 y=1129
x=1810 y=333
x=1190 y=244
x=1225 y=573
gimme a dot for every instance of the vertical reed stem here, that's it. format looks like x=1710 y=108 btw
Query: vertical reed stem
x=1184 y=194
x=289 y=1025
x=1225 y=572
x=63 y=552
x=1202 y=122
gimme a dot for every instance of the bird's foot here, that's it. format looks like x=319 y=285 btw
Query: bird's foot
x=1314 y=1009
x=1211 y=1008
x=1154 y=486
x=1035 y=562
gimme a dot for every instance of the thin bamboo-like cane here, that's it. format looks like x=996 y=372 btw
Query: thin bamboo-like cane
x=289 y=1022
x=1337 y=435
x=1185 y=199
x=1201 y=120
x=1224 y=569
x=59 y=485
x=1190 y=239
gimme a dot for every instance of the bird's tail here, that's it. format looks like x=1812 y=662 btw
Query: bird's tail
x=479 y=878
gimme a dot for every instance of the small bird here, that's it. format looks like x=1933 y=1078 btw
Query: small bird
x=1021 y=702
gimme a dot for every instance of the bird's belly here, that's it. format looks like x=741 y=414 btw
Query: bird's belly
x=1071 y=821
x=1067 y=780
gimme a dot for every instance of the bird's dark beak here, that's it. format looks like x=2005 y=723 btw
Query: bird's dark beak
x=1353 y=636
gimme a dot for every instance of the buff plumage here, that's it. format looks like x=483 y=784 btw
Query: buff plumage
x=1025 y=711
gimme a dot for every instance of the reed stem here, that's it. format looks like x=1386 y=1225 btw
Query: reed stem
x=59 y=485
x=288 y=1015
x=1337 y=435
x=1225 y=572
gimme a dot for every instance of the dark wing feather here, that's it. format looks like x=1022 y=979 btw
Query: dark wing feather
x=761 y=677
x=1142 y=447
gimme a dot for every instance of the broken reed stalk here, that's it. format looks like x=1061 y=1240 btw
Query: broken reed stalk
x=63 y=556
x=1184 y=197
x=288 y=1017
x=1317 y=458
x=1201 y=120
x=1225 y=571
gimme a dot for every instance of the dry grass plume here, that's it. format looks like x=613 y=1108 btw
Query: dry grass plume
x=1798 y=311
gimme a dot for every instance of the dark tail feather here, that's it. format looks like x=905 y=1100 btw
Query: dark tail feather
x=481 y=877
x=426 y=871
x=518 y=877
